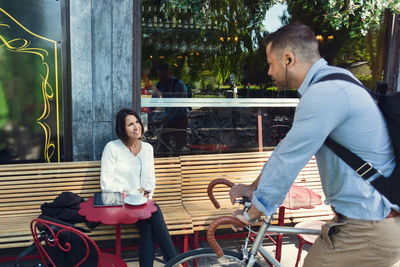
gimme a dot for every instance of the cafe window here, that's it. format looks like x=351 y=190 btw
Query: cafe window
x=31 y=124
x=223 y=66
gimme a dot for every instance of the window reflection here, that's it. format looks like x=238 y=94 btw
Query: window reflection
x=211 y=58
x=220 y=130
x=224 y=58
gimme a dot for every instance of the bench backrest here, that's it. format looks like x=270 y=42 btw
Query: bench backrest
x=24 y=187
x=199 y=170
x=168 y=182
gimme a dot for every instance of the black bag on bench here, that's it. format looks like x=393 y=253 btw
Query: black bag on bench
x=390 y=108
x=65 y=207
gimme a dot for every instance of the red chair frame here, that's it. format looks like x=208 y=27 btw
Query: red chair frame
x=52 y=240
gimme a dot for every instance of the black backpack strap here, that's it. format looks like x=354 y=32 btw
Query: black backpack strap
x=362 y=168
x=342 y=77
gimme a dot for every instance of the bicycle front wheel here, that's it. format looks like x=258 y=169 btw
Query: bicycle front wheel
x=206 y=257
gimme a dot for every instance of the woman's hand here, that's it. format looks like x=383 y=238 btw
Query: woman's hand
x=146 y=192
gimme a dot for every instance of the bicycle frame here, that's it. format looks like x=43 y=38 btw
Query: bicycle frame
x=266 y=227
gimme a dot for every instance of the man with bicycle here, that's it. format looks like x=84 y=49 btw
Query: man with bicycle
x=366 y=227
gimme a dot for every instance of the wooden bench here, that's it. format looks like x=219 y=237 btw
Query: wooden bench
x=199 y=170
x=180 y=192
x=24 y=187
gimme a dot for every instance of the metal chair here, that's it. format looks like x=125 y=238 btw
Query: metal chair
x=64 y=245
x=309 y=239
x=297 y=198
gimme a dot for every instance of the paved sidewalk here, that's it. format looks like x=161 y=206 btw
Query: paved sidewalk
x=289 y=251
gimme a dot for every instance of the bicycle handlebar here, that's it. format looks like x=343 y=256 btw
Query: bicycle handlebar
x=211 y=186
x=213 y=226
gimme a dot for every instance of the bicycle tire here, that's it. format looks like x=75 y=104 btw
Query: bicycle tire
x=207 y=257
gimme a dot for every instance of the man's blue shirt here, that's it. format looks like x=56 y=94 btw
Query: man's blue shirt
x=348 y=114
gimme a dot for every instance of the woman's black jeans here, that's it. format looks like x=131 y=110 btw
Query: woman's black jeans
x=154 y=230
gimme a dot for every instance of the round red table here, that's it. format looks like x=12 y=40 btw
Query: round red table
x=125 y=214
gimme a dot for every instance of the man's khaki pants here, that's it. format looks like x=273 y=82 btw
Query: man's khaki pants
x=348 y=242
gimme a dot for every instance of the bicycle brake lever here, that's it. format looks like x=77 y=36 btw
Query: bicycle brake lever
x=245 y=201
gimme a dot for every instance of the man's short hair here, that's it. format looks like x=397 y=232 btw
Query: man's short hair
x=298 y=37
x=163 y=66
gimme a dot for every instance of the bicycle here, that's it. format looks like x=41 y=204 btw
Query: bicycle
x=277 y=130
x=197 y=141
x=246 y=256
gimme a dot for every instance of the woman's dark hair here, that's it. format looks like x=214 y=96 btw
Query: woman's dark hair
x=120 y=123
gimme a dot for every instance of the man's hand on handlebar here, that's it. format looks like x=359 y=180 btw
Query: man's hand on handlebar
x=241 y=190
x=252 y=213
x=242 y=194
x=239 y=214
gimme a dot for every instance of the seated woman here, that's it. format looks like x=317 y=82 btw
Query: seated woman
x=128 y=164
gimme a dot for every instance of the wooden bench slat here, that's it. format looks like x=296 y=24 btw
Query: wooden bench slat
x=181 y=184
x=25 y=187
x=197 y=172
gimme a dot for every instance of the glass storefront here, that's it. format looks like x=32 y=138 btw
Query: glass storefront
x=218 y=125
x=222 y=60
x=31 y=124
x=230 y=103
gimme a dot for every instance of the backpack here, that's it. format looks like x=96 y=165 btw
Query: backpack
x=390 y=108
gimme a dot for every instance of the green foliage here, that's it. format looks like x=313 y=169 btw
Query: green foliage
x=220 y=40
x=347 y=44
x=356 y=15
x=368 y=81
x=200 y=9
x=199 y=51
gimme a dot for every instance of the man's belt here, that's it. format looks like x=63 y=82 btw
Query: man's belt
x=392 y=214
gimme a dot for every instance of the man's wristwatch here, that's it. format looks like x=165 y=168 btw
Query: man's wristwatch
x=248 y=218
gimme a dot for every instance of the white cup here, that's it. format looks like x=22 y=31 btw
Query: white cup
x=134 y=196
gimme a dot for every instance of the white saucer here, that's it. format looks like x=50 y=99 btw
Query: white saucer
x=135 y=202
